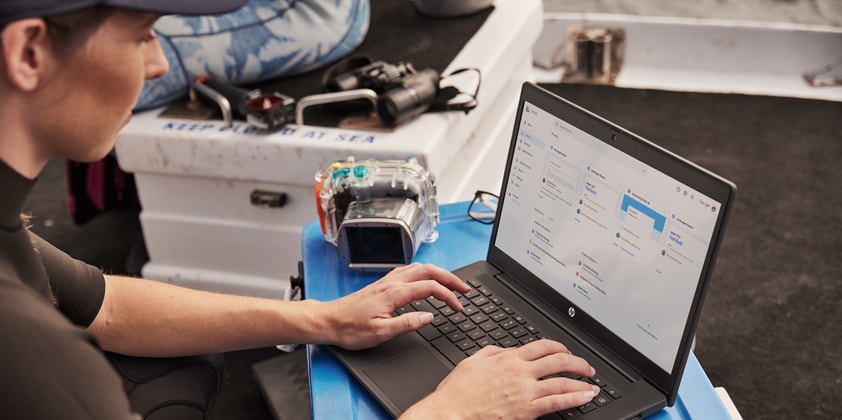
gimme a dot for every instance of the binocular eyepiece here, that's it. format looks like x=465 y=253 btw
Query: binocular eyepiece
x=413 y=97
x=403 y=92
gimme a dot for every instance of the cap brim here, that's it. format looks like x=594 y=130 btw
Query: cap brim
x=179 y=7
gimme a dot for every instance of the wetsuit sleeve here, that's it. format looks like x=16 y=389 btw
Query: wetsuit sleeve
x=78 y=288
x=52 y=369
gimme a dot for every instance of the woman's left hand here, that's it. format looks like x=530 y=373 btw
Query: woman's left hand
x=365 y=318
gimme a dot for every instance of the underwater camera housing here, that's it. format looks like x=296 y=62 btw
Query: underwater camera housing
x=377 y=212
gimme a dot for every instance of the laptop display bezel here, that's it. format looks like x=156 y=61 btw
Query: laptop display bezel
x=653 y=155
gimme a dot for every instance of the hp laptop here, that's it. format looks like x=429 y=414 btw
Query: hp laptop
x=603 y=241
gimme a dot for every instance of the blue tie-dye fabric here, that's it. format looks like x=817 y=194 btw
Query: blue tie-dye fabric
x=262 y=40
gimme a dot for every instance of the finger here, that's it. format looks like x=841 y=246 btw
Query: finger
x=409 y=321
x=400 y=273
x=444 y=277
x=401 y=269
x=562 y=385
x=416 y=272
x=560 y=363
x=423 y=289
x=558 y=394
x=541 y=348
x=488 y=351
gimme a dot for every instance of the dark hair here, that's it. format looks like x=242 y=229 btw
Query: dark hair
x=70 y=30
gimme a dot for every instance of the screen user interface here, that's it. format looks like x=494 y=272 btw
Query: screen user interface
x=619 y=239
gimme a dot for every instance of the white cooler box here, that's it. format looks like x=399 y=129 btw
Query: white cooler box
x=195 y=179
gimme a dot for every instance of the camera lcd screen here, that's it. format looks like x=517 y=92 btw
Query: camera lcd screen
x=375 y=244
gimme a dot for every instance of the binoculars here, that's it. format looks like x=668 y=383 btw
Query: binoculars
x=403 y=92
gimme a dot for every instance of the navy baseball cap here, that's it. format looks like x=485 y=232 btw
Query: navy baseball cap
x=12 y=10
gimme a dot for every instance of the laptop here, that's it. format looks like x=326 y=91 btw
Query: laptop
x=603 y=241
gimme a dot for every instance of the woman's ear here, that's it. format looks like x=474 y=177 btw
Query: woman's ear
x=25 y=49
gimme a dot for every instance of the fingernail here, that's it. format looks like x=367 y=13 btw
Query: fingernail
x=593 y=371
x=426 y=318
x=588 y=395
x=595 y=390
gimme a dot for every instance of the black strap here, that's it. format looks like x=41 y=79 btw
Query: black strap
x=445 y=95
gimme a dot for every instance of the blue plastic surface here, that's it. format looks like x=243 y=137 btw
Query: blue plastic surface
x=335 y=394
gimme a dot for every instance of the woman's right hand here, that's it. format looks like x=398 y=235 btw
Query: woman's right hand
x=506 y=384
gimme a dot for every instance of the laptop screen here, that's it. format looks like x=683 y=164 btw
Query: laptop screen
x=620 y=240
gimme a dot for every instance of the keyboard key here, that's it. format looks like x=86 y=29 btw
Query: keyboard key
x=570 y=414
x=499 y=334
x=456 y=336
x=479 y=300
x=467 y=326
x=449 y=351
x=528 y=339
x=508 y=324
x=490 y=308
x=479 y=318
x=613 y=392
x=485 y=342
x=476 y=334
x=458 y=318
x=499 y=316
x=447 y=328
x=423 y=305
x=517 y=332
x=436 y=303
x=508 y=342
x=429 y=332
x=465 y=344
x=587 y=407
x=488 y=326
x=602 y=400
x=438 y=320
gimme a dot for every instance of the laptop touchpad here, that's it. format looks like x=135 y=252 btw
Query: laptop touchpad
x=417 y=367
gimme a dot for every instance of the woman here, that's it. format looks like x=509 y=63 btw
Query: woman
x=71 y=73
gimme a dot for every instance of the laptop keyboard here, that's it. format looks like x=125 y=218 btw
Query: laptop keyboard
x=486 y=320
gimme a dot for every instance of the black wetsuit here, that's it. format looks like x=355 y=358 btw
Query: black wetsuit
x=50 y=366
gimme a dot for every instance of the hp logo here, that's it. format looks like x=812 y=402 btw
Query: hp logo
x=571 y=312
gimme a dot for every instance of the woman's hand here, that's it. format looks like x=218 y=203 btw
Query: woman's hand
x=364 y=319
x=506 y=384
